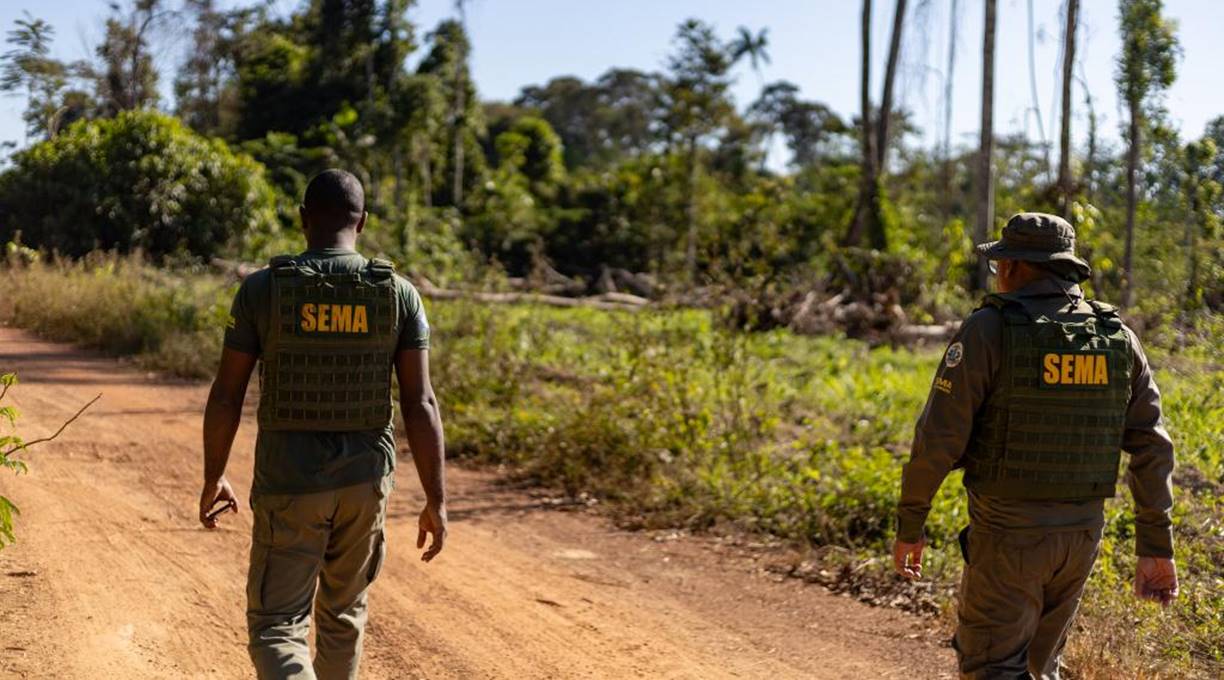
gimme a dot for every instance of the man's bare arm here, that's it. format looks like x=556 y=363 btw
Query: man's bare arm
x=222 y=414
x=423 y=425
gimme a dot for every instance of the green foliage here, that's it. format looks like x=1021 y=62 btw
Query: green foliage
x=122 y=306
x=1150 y=49
x=10 y=444
x=677 y=421
x=137 y=181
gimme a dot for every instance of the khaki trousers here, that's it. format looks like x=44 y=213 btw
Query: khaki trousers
x=322 y=549
x=1018 y=595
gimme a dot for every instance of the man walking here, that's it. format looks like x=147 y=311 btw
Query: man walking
x=326 y=327
x=1036 y=397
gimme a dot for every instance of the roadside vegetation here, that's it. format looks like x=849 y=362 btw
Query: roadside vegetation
x=758 y=389
x=671 y=419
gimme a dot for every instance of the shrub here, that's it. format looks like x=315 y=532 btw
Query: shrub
x=141 y=181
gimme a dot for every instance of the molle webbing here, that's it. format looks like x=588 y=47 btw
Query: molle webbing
x=331 y=341
x=1052 y=427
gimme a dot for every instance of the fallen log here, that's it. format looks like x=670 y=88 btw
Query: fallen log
x=607 y=301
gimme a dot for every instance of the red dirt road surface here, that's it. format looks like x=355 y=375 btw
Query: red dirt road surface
x=112 y=576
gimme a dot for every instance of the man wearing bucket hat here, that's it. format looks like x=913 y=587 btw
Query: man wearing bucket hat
x=1035 y=398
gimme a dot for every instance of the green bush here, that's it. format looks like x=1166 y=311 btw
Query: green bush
x=139 y=181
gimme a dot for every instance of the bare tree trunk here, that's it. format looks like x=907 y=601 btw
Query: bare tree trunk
x=948 y=107
x=985 y=171
x=1064 y=137
x=460 y=119
x=1132 y=168
x=890 y=77
x=864 y=211
x=1032 y=59
x=1091 y=160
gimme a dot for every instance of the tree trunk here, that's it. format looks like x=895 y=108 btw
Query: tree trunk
x=985 y=171
x=1132 y=168
x=690 y=212
x=890 y=77
x=457 y=186
x=864 y=213
x=1032 y=61
x=1192 y=260
x=1064 y=138
x=947 y=122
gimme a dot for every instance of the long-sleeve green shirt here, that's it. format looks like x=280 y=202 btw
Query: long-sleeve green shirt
x=962 y=384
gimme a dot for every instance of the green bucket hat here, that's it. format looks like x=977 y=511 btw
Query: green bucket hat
x=1041 y=238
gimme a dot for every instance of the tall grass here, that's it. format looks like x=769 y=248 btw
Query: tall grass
x=675 y=421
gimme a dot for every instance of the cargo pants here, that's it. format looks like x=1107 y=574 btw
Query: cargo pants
x=1018 y=595
x=323 y=550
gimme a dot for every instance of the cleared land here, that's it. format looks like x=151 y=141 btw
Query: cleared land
x=112 y=576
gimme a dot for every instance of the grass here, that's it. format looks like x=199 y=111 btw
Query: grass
x=675 y=421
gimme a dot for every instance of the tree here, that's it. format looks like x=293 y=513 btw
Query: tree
x=447 y=61
x=695 y=105
x=1145 y=68
x=127 y=79
x=985 y=169
x=1064 y=137
x=28 y=66
x=141 y=181
x=868 y=219
x=199 y=83
x=808 y=127
x=1203 y=192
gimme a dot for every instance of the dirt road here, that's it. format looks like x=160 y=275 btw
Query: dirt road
x=112 y=576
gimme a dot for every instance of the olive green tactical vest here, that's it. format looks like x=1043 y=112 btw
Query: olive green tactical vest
x=1052 y=427
x=331 y=340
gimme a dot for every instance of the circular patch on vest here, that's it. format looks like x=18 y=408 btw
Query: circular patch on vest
x=956 y=352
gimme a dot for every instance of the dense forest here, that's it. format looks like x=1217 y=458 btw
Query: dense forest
x=652 y=183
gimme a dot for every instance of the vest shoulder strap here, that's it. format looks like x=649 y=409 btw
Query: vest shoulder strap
x=1012 y=309
x=1108 y=314
x=380 y=269
x=280 y=261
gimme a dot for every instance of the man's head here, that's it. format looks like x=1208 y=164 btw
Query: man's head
x=1034 y=246
x=333 y=210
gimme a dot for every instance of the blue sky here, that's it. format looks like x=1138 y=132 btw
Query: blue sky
x=813 y=43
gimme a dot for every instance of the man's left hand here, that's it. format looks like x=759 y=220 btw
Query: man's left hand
x=907 y=558
x=1156 y=580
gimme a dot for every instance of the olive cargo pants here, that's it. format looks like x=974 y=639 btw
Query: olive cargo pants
x=1018 y=594
x=323 y=549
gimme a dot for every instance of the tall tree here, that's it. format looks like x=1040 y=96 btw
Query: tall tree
x=985 y=168
x=868 y=218
x=695 y=104
x=1203 y=192
x=867 y=210
x=1145 y=68
x=890 y=78
x=28 y=66
x=1064 y=137
x=127 y=79
x=458 y=90
x=1036 y=105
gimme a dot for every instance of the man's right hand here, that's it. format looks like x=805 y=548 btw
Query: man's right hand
x=433 y=521
x=213 y=493
x=907 y=558
x=1156 y=580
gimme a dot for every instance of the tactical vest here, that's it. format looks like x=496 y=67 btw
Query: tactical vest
x=326 y=364
x=1052 y=427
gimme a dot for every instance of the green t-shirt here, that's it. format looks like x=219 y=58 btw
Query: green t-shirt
x=289 y=462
